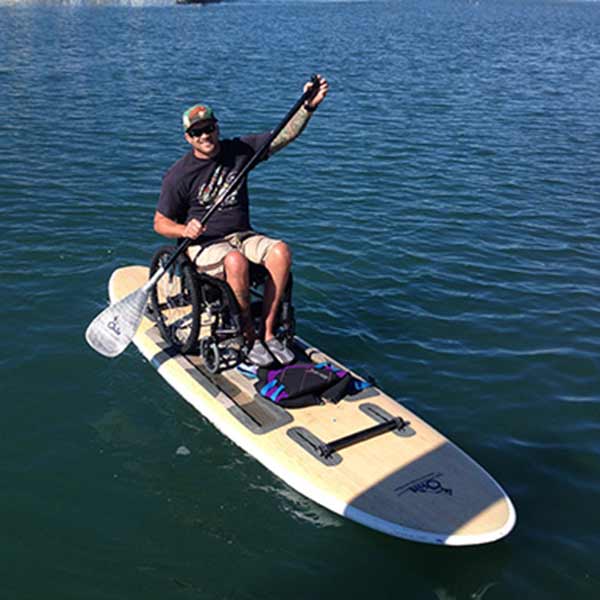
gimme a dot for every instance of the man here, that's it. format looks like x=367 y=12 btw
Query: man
x=227 y=242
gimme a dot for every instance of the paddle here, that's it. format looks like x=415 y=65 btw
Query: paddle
x=113 y=329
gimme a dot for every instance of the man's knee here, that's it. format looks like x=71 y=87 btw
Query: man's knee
x=236 y=264
x=281 y=254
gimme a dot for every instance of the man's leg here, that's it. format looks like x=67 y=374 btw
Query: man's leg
x=237 y=275
x=223 y=260
x=276 y=256
x=278 y=263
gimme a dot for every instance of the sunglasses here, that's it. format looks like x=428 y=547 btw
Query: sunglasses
x=200 y=130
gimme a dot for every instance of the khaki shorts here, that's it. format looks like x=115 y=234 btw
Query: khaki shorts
x=253 y=246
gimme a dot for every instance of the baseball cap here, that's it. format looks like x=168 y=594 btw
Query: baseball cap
x=199 y=113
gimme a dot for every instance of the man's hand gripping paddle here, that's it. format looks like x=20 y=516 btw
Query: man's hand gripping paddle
x=113 y=329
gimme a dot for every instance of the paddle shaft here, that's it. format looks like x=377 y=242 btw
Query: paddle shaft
x=256 y=157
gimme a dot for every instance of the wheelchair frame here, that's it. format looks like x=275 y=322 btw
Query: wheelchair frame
x=199 y=314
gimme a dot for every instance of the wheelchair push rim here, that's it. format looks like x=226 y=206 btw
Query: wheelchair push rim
x=175 y=302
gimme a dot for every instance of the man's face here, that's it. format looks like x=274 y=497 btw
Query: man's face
x=204 y=139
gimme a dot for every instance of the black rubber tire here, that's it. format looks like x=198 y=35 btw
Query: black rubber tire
x=176 y=292
x=209 y=351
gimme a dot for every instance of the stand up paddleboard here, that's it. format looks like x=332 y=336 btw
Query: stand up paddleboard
x=367 y=458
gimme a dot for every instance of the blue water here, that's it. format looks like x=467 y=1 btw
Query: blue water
x=443 y=207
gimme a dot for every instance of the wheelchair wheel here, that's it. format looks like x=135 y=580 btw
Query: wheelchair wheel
x=175 y=301
x=209 y=351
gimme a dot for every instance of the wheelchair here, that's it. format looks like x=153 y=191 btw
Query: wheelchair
x=199 y=314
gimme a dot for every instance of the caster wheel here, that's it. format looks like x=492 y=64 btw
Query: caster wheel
x=209 y=351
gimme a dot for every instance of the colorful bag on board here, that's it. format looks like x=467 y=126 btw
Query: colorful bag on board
x=306 y=384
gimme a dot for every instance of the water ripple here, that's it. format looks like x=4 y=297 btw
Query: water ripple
x=443 y=210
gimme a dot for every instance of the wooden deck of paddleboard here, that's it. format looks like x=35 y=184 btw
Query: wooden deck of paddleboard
x=413 y=484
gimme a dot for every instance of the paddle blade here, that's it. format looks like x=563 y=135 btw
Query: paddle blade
x=113 y=329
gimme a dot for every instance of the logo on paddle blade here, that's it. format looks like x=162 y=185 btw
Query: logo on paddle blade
x=428 y=484
x=114 y=325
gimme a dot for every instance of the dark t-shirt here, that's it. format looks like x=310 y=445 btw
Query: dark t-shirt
x=192 y=185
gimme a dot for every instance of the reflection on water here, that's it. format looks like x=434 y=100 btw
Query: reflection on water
x=442 y=594
x=299 y=507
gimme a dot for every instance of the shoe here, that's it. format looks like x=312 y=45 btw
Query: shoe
x=248 y=370
x=259 y=355
x=282 y=353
